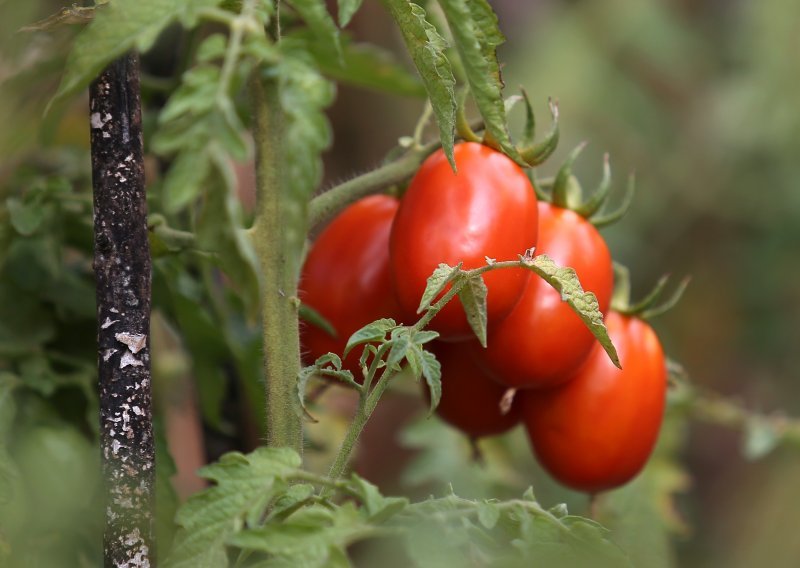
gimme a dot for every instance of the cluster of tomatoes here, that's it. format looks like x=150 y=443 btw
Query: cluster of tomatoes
x=591 y=425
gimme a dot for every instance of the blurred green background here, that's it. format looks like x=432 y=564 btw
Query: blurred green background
x=702 y=100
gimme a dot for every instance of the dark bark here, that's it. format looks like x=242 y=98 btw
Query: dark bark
x=122 y=270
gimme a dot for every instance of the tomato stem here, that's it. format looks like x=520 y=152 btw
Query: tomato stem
x=279 y=311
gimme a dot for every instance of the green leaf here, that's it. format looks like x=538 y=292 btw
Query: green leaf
x=167 y=500
x=118 y=27
x=432 y=371
x=565 y=281
x=221 y=228
x=424 y=336
x=184 y=180
x=347 y=9
x=427 y=50
x=488 y=514
x=370 y=333
x=378 y=507
x=9 y=475
x=304 y=95
x=312 y=316
x=473 y=300
x=26 y=217
x=310 y=537
x=476 y=36
x=364 y=65
x=401 y=341
x=316 y=15
x=209 y=518
x=437 y=282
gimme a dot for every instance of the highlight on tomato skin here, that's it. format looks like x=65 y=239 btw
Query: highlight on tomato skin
x=346 y=278
x=470 y=399
x=542 y=342
x=597 y=431
x=486 y=209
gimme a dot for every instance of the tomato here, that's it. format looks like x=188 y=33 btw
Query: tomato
x=487 y=209
x=542 y=341
x=596 y=431
x=470 y=399
x=346 y=277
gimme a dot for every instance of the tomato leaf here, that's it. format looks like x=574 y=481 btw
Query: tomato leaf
x=427 y=50
x=378 y=507
x=432 y=371
x=319 y=20
x=117 y=28
x=370 y=333
x=436 y=284
x=209 y=518
x=312 y=316
x=401 y=341
x=364 y=65
x=476 y=35
x=422 y=337
x=488 y=514
x=565 y=281
x=347 y=9
x=473 y=300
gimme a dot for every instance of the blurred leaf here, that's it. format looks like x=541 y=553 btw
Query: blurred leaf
x=347 y=9
x=27 y=217
x=432 y=371
x=117 y=28
x=364 y=65
x=184 y=180
x=166 y=498
x=316 y=15
x=760 y=438
x=312 y=316
x=220 y=228
x=427 y=49
x=209 y=518
x=378 y=507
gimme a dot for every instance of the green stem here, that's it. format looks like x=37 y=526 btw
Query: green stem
x=328 y=204
x=279 y=286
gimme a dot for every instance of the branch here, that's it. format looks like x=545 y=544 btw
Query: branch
x=122 y=270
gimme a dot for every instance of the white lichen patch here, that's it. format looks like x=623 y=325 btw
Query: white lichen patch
x=134 y=341
x=108 y=353
x=128 y=359
x=108 y=323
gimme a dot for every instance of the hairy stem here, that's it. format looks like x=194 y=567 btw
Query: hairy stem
x=279 y=307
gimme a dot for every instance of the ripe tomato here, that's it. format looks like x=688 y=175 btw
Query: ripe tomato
x=487 y=209
x=470 y=399
x=596 y=431
x=346 y=277
x=542 y=341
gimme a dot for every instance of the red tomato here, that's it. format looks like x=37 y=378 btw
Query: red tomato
x=542 y=341
x=470 y=399
x=346 y=277
x=487 y=209
x=596 y=431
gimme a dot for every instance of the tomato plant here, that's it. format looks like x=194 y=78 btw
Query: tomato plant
x=485 y=209
x=542 y=341
x=470 y=398
x=597 y=430
x=346 y=276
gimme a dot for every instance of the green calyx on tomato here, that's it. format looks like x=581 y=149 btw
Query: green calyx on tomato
x=565 y=191
x=345 y=278
x=596 y=431
x=487 y=209
x=649 y=306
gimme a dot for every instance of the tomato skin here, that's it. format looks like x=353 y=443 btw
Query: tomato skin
x=542 y=341
x=487 y=209
x=346 y=277
x=470 y=399
x=596 y=431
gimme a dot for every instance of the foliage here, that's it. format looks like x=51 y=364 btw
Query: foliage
x=264 y=509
